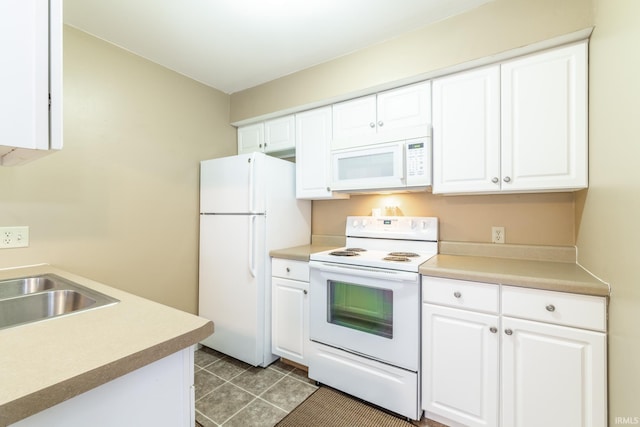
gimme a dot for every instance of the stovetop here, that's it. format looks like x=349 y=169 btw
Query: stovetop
x=395 y=243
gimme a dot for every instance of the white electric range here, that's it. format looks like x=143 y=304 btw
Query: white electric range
x=364 y=306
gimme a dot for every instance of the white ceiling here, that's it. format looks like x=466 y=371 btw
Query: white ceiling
x=232 y=45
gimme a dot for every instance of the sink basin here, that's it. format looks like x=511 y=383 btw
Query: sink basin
x=30 y=299
x=25 y=285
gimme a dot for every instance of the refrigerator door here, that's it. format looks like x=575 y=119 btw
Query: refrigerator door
x=233 y=184
x=233 y=285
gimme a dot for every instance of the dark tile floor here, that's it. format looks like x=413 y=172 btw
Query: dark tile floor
x=232 y=393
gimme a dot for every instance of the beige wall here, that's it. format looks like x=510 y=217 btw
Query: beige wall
x=609 y=236
x=119 y=204
x=533 y=219
x=495 y=27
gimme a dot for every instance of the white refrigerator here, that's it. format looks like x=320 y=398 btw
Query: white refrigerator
x=247 y=208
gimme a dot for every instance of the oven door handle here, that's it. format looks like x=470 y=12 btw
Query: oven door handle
x=396 y=276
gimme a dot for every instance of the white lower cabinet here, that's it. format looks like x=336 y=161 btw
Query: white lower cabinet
x=290 y=310
x=538 y=360
x=460 y=365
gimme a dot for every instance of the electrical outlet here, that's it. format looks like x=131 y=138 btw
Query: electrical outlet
x=14 y=237
x=497 y=234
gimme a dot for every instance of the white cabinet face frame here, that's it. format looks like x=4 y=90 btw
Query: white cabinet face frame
x=313 y=161
x=460 y=365
x=466 y=131
x=393 y=115
x=552 y=375
x=544 y=120
x=279 y=134
x=290 y=319
x=251 y=138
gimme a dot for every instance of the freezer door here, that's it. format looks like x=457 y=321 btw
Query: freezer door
x=233 y=184
x=232 y=288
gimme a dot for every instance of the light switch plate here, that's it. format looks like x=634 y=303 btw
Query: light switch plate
x=14 y=237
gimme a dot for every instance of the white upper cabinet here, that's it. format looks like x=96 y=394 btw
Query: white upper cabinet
x=251 y=138
x=466 y=131
x=313 y=140
x=520 y=126
x=30 y=79
x=271 y=136
x=393 y=115
x=544 y=120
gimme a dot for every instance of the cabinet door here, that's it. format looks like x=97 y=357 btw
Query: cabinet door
x=460 y=365
x=354 y=122
x=544 y=120
x=552 y=375
x=313 y=140
x=290 y=328
x=24 y=74
x=466 y=132
x=279 y=134
x=404 y=113
x=251 y=138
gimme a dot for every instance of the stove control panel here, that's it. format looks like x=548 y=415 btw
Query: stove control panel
x=393 y=227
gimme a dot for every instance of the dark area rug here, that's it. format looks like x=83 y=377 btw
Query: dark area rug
x=327 y=407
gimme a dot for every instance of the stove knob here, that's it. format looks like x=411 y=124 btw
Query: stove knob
x=365 y=222
x=354 y=224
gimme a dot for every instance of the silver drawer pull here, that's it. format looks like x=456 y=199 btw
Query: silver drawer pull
x=508 y=331
x=457 y=294
x=493 y=329
x=288 y=270
x=551 y=307
x=305 y=292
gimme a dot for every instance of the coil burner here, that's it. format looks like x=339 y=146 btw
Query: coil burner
x=396 y=258
x=403 y=254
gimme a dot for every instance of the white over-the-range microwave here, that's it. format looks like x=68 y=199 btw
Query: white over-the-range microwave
x=394 y=166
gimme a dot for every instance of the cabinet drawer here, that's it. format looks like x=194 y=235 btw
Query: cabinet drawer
x=290 y=269
x=581 y=311
x=460 y=293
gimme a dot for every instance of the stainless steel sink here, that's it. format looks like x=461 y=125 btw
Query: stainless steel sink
x=25 y=285
x=30 y=299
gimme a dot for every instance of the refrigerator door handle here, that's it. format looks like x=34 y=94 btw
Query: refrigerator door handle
x=252 y=252
x=251 y=181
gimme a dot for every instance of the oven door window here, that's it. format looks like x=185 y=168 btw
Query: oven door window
x=361 y=308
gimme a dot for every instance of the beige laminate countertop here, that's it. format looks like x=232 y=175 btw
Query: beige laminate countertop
x=45 y=363
x=300 y=253
x=549 y=275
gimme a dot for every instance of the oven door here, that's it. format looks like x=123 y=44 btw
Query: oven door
x=371 y=312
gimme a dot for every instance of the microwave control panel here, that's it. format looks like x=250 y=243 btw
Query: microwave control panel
x=418 y=170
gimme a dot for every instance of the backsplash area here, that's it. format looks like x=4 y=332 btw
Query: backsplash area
x=529 y=219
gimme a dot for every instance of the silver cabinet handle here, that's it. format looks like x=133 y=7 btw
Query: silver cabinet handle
x=495 y=180
x=259 y=145
x=305 y=292
x=493 y=329
x=380 y=123
x=508 y=331
x=507 y=179
x=328 y=188
x=288 y=270
x=372 y=124
x=551 y=308
x=457 y=294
